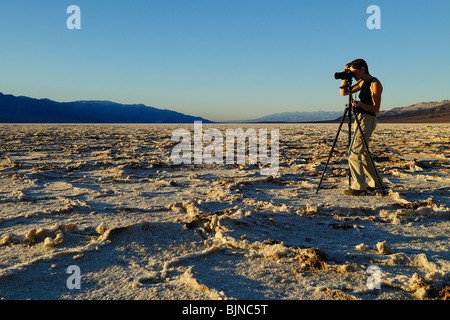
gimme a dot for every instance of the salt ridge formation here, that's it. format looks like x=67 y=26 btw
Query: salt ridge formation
x=108 y=199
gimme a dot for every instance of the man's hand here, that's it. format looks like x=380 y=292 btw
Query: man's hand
x=357 y=104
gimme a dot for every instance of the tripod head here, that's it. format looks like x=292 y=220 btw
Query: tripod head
x=348 y=85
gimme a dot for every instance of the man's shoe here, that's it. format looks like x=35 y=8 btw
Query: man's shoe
x=375 y=188
x=352 y=192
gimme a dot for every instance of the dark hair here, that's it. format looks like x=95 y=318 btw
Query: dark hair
x=358 y=64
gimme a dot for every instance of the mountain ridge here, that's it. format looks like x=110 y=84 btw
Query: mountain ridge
x=303 y=116
x=420 y=112
x=423 y=112
x=21 y=109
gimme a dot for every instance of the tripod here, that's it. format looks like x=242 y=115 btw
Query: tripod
x=348 y=110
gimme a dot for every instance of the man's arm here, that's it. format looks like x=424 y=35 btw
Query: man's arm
x=355 y=88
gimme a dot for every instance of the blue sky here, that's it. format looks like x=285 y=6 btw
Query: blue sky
x=223 y=59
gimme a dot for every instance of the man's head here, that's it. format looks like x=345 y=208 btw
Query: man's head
x=359 y=68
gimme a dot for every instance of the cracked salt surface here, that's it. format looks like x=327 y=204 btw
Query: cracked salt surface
x=108 y=199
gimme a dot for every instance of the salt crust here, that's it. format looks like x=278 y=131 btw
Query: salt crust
x=81 y=192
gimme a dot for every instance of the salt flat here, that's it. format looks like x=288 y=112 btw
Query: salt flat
x=108 y=199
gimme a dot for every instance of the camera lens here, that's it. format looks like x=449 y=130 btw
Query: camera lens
x=346 y=75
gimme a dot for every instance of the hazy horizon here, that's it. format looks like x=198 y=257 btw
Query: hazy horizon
x=272 y=118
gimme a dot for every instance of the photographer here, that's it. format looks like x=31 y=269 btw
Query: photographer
x=365 y=109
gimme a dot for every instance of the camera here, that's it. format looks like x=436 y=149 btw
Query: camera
x=347 y=74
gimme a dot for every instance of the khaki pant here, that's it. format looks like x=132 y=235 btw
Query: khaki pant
x=358 y=158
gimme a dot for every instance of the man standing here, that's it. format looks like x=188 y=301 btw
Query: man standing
x=365 y=110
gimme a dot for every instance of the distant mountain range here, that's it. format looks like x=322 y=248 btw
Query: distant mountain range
x=28 y=110
x=299 y=116
x=424 y=112
x=420 y=112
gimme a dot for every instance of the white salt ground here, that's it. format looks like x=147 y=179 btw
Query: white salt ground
x=107 y=199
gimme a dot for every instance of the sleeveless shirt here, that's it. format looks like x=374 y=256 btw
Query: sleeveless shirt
x=365 y=96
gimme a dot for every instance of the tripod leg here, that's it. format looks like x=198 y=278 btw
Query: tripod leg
x=349 y=135
x=372 y=164
x=332 y=149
